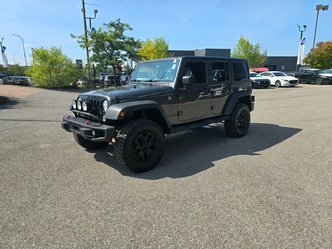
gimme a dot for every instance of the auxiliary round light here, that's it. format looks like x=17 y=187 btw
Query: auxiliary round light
x=74 y=104
x=79 y=105
x=105 y=105
x=84 y=106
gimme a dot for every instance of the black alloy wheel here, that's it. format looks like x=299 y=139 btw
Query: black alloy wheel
x=139 y=145
x=238 y=123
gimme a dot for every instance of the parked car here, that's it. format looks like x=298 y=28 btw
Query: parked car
x=278 y=79
x=258 y=81
x=317 y=76
x=17 y=80
x=81 y=82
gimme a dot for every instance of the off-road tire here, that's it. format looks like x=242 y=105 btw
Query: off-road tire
x=278 y=83
x=139 y=145
x=238 y=123
x=89 y=144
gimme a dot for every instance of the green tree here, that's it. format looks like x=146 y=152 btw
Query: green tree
x=16 y=70
x=321 y=56
x=51 y=68
x=110 y=45
x=154 y=49
x=244 y=49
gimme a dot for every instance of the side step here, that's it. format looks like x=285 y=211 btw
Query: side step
x=197 y=124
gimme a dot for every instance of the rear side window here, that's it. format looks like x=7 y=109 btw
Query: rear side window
x=220 y=71
x=240 y=71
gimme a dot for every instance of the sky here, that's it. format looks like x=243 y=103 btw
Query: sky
x=185 y=24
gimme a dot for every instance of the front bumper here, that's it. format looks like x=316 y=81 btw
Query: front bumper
x=286 y=83
x=89 y=130
x=326 y=80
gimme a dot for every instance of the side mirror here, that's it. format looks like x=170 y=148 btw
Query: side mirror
x=187 y=80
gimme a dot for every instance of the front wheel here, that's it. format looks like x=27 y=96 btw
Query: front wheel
x=278 y=83
x=319 y=81
x=139 y=145
x=90 y=145
x=238 y=123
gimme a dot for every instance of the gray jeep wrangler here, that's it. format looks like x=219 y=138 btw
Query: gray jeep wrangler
x=163 y=96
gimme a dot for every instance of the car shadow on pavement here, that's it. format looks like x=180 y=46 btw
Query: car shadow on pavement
x=7 y=103
x=195 y=151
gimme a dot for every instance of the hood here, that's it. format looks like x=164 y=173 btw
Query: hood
x=326 y=74
x=131 y=92
x=288 y=78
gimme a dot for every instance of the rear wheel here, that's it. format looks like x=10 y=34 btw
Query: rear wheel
x=89 y=144
x=278 y=83
x=139 y=145
x=238 y=123
x=319 y=81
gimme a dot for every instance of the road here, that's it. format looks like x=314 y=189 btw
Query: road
x=270 y=189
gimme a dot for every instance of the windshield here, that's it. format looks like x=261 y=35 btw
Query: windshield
x=279 y=74
x=326 y=71
x=156 y=71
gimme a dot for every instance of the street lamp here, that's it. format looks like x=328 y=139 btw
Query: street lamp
x=302 y=31
x=25 y=57
x=86 y=36
x=300 y=53
x=318 y=8
x=95 y=13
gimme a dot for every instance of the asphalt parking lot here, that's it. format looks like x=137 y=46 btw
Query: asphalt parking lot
x=270 y=189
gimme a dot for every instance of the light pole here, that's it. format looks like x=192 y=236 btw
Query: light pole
x=14 y=57
x=25 y=57
x=95 y=13
x=318 y=8
x=86 y=36
x=302 y=31
x=300 y=53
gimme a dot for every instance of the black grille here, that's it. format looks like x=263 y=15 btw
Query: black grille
x=293 y=81
x=95 y=107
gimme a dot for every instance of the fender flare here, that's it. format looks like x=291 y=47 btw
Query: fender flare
x=233 y=99
x=113 y=112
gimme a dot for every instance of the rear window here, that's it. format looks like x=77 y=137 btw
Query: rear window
x=240 y=71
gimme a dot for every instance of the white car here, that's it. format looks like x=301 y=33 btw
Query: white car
x=279 y=79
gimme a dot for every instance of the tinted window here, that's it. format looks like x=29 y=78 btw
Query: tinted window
x=196 y=69
x=220 y=71
x=280 y=74
x=240 y=71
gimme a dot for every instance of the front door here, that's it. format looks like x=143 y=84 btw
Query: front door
x=194 y=99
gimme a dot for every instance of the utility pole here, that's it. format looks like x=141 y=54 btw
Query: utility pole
x=86 y=40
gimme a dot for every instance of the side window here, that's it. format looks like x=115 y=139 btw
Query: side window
x=196 y=69
x=240 y=71
x=220 y=71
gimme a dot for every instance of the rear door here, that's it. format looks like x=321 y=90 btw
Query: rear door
x=220 y=85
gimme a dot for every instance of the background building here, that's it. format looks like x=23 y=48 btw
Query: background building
x=274 y=63
x=281 y=63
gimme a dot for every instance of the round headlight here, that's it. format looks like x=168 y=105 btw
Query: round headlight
x=105 y=105
x=84 y=106
x=79 y=105
x=74 y=104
